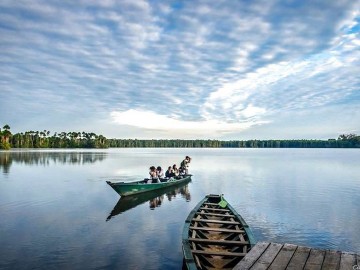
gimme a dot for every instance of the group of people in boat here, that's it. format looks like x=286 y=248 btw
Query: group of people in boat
x=157 y=173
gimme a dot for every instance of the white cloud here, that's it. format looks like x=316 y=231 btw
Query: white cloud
x=310 y=82
x=157 y=122
x=205 y=66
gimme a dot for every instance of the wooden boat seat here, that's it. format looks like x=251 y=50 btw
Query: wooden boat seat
x=214 y=214
x=218 y=253
x=213 y=204
x=218 y=242
x=216 y=229
x=216 y=221
x=215 y=209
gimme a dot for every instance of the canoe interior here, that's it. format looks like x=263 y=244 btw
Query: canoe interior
x=215 y=237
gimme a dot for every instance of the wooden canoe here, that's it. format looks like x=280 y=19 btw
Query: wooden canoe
x=136 y=187
x=128 y=202
x=215 y=237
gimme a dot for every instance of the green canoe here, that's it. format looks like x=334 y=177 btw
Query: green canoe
x=128 y=202
x=215 y=236
x=136 y=187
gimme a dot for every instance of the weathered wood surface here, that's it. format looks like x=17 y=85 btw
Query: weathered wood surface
x=348 y=261
x=315 y=259
x=216 y=221
x=216 y=229
x=219 y=253
x=273 y=256
x=284 y=256
x=215 y=215
x=299 y=259
x=219 y=242
x=215 y=209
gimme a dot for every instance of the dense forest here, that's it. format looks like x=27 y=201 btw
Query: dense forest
x=344 y=141
x=42 y=139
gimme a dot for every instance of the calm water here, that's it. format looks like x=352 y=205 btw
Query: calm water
x=57 y=212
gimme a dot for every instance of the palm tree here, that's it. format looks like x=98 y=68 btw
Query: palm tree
x=6 y=133
x=4 y=137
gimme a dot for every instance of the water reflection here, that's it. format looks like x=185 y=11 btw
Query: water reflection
x=54 y=216
x=46 y=158
x=155 y=198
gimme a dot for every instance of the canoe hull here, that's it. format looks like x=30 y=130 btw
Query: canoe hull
x=215 y=237
x=132 y=188
x=128 y=202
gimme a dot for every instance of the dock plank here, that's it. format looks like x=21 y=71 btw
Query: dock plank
x=267 y=257
x=331 y=260
x=299 y=259
x=315 y=259
x=347 y=261
x=283 y=258
x=273 y=256
x=252 y=256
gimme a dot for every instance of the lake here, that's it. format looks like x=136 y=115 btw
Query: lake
x=57 y=212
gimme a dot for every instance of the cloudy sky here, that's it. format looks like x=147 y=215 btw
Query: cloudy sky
x=231 y=69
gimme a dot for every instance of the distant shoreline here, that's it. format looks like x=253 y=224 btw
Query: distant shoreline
x=135 y=143
x=331 y=143
x=86 y=140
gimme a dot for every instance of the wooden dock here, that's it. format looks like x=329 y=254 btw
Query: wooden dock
x=292 y=257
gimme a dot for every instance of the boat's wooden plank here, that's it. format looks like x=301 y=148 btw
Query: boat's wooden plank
x=216 y=221
x=218 y=253
x=331 y=260
x=212 y=204
x=216 y=229
x=315 y=259
x=210 y=196
x=218 y=242
x=252 y=256
x=283 y=257
x=298 y=261
x=214 y=214
x=214 y=209
x=267 y=257
x=347 y=261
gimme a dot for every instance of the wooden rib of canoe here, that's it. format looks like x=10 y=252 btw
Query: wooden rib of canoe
x=136 y=187
x=215 y=236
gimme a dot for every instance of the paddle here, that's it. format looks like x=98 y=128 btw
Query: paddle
x=222 y=203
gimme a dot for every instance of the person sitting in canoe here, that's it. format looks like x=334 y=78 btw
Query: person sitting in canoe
x=175 y=170
x=169 y=172
x=159 y=172
x=153 y=175
x=184 y=166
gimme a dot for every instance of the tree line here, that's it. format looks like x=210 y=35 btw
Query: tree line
x=353 y=142
x=42 y=139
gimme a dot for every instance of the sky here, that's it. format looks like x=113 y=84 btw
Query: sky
x=224 y=69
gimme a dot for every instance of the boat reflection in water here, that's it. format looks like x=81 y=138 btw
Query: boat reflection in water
x=155 y=198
